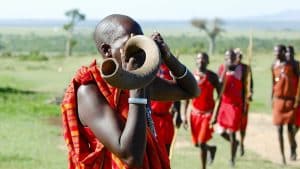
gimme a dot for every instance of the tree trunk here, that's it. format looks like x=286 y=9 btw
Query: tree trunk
x=68 y=48
x=212 y=45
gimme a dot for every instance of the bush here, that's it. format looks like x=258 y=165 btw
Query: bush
x=180 y=44
x=33 y=56
x=7 y=54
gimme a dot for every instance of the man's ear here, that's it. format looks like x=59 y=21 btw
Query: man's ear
x=105 y=50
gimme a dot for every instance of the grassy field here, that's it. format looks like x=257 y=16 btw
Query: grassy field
x=30 y=124
x=30 y=131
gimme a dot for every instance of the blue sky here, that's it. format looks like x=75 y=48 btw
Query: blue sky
x=145 y=10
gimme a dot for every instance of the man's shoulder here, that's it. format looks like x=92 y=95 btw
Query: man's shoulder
x=295 y=63
x=212 y=76
x=244 y=65
x=212 y=73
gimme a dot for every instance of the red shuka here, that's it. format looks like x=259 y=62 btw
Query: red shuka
x=284 y=92
x=231 y=107
x=295 y=81
x=202 y=109
x=84 y=149
x=163 y=120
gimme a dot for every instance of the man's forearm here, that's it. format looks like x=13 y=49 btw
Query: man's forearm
x=186 y=80
x=133 y=138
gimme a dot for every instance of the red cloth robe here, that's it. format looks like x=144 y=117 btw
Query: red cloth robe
x=162 y=118
x=231 y=107
x=84 y=149
x=283 y=94
x=295 y=80
x=201 y=114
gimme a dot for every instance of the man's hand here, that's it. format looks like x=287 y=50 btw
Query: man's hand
x=163 y=47
x=249 y=97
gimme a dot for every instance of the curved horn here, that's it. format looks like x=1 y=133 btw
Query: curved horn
x=113 y=74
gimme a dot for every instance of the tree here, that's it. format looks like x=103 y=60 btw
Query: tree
x=212 y=30
x=75 y=17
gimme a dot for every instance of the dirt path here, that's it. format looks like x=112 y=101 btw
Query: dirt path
x=262 y=138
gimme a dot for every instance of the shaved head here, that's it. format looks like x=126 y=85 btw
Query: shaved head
x=114 y=27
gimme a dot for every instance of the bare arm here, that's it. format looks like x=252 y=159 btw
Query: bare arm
x=186 y=113
x=214 y=79
x=127 y=140
x=184 y=88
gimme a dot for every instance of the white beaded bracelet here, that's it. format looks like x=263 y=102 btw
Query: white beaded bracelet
x=180 y=77
x=132 y=100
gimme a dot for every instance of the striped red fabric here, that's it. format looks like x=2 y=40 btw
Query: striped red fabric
x=84 y=149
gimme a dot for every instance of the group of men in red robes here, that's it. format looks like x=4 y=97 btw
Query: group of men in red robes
x=234 y=86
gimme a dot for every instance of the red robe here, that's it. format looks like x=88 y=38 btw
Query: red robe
x=231 y=107
x=202 y=109
x=295 y=81
x=84 y=149
x=163 y=120
x=297 y=116
x=283 y=94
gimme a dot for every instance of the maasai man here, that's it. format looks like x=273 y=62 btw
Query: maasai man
x=162 y=114
x=231 y=105
x=201 y=108
x=283 y=96
x=105 y=127
x=290 y=57
x=247 y=93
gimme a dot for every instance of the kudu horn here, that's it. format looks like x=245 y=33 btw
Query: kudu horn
x=113 y=73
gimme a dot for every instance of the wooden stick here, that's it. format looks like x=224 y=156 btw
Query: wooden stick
x=248 y=71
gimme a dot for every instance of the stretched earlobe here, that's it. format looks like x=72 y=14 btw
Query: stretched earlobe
x=106 y=50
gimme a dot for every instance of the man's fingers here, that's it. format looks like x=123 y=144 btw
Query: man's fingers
x=130 y=63
x=156 y=35
x=122 y=52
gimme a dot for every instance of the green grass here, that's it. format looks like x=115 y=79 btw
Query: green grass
x=29 y=140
